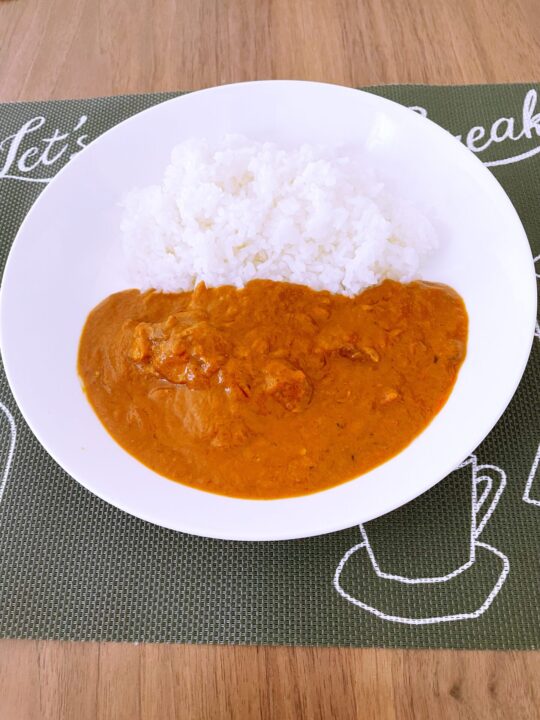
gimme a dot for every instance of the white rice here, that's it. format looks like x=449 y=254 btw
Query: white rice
x=231 y=211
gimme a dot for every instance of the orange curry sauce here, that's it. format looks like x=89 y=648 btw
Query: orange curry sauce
x=273 y=390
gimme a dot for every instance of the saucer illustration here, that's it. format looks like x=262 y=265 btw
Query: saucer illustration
x=369 y=576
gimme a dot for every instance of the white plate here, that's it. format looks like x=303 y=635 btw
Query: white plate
x=66 y=258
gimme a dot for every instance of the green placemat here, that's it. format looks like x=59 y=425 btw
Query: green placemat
x=73 y=567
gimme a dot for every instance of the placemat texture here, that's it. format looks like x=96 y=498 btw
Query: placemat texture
x=427 y=575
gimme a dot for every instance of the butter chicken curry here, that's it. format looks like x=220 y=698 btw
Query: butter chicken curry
x=273 y=390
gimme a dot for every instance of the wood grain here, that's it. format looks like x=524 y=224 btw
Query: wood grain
x=68 y=681
x=80 y=48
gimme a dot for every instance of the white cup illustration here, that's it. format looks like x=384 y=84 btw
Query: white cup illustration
x=531 y=494
x=400 y=556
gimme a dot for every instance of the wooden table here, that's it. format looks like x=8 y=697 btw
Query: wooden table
x=81 y=48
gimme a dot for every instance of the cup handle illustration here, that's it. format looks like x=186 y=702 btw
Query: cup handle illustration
x=7 y=418
x=530 y=496
x=495 y=480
